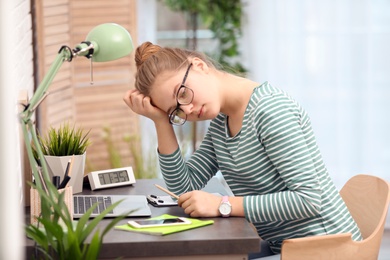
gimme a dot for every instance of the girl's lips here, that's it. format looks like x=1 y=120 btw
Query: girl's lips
x=200 y=112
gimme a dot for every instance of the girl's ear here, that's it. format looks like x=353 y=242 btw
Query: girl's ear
x=199 y=65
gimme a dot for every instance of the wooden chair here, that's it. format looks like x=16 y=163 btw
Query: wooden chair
x=367 y=198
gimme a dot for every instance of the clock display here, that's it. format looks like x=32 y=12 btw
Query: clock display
x=113 y=177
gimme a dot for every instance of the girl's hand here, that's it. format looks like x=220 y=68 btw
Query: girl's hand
x=142 y=105
x=200 y=204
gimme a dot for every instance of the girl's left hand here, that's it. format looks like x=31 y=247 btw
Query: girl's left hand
x=200 y=204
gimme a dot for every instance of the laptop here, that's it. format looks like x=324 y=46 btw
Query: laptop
x=137 y=204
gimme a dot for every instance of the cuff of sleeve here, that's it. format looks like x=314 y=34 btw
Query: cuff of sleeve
x=170 y=163
x=168 y=156
x=249 y=210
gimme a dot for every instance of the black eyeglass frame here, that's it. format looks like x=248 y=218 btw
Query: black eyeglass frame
x=178 y=110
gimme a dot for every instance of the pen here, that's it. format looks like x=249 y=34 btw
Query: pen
x=64 y=182
x=167 y=191
x=70 y=170
x=66 y=179
x=67 y=174
x=56 y=181
x=67 y=168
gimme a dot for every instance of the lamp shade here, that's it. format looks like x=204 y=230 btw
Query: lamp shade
x=111 y=41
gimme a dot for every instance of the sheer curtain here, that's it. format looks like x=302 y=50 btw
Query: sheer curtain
x=333 y=56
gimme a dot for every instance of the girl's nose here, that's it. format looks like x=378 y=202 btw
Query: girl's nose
x=187 y=108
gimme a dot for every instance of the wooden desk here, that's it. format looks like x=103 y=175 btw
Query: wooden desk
x=227 y=238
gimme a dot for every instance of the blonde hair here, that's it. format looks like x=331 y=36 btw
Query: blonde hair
x=151 y=60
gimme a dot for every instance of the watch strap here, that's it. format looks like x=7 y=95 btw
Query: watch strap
x=225 y=199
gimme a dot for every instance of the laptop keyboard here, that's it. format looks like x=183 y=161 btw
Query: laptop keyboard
x=82 y=203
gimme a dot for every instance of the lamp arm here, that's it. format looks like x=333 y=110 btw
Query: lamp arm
x=28 y=127
x=33 y=163
x=85 y=49
x=64 y=54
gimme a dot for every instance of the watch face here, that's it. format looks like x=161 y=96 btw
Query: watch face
x=225 y=209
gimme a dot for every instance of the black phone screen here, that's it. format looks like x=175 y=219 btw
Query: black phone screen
x=159 y=221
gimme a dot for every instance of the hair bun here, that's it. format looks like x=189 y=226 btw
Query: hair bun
x=144 y=51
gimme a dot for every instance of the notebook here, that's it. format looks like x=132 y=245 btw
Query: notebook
x=162 y=231
x=135 y=203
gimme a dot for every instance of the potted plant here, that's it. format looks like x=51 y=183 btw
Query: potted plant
x=55 y=233
x=64 y=147
x=57 y=236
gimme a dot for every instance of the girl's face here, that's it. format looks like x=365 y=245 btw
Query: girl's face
x=191 y=91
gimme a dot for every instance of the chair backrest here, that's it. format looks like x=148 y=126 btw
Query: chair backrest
x=367 y=198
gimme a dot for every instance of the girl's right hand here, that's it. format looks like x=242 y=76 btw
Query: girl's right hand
x=142 y=105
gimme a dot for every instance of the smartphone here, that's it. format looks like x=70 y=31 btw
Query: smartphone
x=161 y=201
x=158 y=222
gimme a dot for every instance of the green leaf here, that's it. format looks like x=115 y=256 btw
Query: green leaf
x=82 y=223
x=93 y=249
x=37 y=235
x=95 y=221
x=223 y=18
x=65 y=140
x=115 y=221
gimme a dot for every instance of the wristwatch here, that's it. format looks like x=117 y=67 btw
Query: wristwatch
x=225 y=208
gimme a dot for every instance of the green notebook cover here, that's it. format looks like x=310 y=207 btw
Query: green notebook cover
x=162 y=231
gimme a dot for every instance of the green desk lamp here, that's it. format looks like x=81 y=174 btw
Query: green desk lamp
x=105 y=42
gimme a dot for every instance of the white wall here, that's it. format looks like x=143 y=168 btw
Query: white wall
x=15 y=74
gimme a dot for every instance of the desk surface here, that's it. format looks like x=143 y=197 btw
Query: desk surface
x=227 y=236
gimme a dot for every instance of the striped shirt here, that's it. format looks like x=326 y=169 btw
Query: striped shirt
x=274 y=163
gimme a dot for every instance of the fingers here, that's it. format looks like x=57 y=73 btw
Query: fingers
x=143 y=106
x=127 y=97
x=146 y=101
x=185 y=202
x=136 y=101
x=199 y=204
x=132 y=97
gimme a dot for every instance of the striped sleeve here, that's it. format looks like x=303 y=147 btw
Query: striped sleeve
x=281 y=128
x=181 y=176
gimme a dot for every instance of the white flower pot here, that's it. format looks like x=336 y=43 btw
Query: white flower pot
x=57 y=166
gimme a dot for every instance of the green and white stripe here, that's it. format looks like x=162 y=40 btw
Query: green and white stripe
x=275 y=163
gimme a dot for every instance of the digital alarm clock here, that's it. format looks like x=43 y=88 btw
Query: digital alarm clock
x=111 y=178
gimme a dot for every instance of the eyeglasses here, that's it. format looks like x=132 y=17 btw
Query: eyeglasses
x=184 y=96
